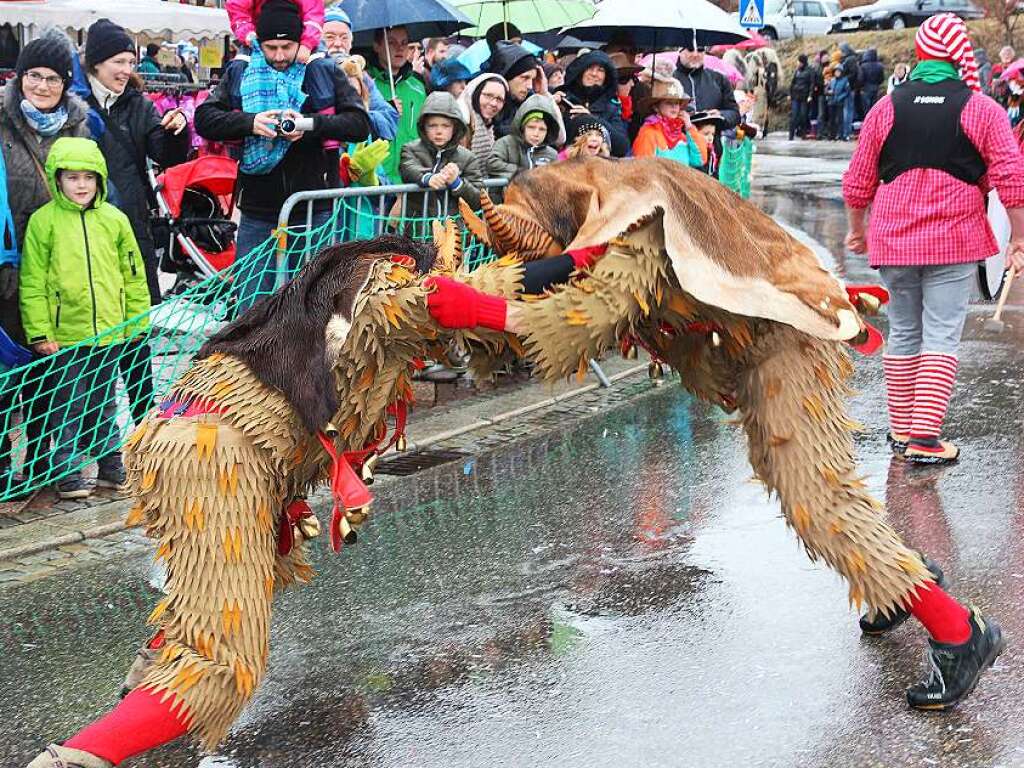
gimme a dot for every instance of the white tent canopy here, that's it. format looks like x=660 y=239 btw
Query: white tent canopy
x=154 y=18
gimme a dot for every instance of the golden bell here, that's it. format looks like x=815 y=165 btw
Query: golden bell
x=309 y=527
x=348 y=535
x=367 y=471
x=401 y=444
x=654 y=371
x=330 y=430
x=631 y=352
x=868 y=304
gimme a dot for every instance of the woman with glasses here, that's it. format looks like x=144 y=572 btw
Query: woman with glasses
x=35 y=111
x=129 y=130
x=482 y=102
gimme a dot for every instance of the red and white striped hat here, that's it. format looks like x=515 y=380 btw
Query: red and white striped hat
x=944 y=37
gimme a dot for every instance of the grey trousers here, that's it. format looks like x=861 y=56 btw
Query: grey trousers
x=85 y=407
x=927 y=307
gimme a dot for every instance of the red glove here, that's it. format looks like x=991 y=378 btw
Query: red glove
x=454 y=304
x=584 y=258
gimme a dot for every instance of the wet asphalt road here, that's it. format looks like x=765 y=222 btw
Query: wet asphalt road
x=617 y=595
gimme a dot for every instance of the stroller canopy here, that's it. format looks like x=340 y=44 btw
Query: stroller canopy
x=213 y=173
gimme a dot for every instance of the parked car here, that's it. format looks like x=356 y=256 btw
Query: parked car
x=899 y=14
x=795 y=18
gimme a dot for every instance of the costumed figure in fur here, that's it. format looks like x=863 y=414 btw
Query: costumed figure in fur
x=309 y=385
x=752 y=322
x=742 y=310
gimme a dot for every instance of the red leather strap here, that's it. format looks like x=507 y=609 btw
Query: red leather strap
x=348 y=490
x=295 y=511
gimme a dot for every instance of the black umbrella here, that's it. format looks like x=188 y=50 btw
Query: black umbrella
x=422 y=18
x=654 y=24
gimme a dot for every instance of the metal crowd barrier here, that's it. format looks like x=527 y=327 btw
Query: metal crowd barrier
x=374 y=211
x=378 y=216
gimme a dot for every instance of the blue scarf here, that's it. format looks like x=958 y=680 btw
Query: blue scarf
x=264 y=88
x=44 y=123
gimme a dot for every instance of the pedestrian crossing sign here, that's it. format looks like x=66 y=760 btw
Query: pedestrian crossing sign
x=752 y=14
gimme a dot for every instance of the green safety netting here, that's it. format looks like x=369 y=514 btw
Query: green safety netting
x=737 y=162
x=62 y=412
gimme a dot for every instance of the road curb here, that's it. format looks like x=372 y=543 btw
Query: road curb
x=99 y=531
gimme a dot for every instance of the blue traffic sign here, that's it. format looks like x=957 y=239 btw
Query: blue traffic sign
x=752 y=14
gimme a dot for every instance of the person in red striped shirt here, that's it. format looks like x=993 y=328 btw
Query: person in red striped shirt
x=928 y=154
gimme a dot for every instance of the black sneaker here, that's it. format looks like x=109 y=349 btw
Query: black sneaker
x=957 y=668
x=14 y=488
x=111 y=475
x=882 y=623
x=73 y=487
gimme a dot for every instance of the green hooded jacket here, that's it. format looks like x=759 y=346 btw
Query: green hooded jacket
x=411 y=91
x=81 y=272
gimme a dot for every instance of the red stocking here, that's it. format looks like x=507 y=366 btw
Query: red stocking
x=138 y=724
x=945 y=619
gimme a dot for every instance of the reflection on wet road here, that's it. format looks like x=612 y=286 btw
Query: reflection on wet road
x=617 y=595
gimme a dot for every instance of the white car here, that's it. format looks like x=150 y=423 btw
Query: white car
x=796 y=18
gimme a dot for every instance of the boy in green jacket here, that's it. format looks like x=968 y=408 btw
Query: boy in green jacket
x=82 y=278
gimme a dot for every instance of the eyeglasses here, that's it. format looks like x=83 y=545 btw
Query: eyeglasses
x=50 y=81
x=492 y=99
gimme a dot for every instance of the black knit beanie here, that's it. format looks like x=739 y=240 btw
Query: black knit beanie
x=105 y=41
x=526 y=63
x=279 y=20
x=501 y=31
x=50 y=52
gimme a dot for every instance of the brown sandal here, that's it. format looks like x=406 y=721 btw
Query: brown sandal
x=941 y=454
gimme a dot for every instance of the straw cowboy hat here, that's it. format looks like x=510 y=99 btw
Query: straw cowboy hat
x=665 y=89
x=624 y=66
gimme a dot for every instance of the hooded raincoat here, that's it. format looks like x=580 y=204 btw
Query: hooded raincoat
x=411 y=91
x=81 y=270
x=602 y=100
x=421 y=159
x=480 y=135
x=512 y=154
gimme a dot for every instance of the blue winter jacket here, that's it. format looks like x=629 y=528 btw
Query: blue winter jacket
x=383 y=115
x=840 y=90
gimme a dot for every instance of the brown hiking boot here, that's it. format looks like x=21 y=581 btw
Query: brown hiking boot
x=56 y=756
x=144 y=659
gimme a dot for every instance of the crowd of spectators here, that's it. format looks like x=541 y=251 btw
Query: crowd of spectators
x=300 y=110
x=831 y=92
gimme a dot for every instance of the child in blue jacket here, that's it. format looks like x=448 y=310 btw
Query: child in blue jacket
x=837 y=92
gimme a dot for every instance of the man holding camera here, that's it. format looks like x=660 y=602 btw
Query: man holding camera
x=287 y=116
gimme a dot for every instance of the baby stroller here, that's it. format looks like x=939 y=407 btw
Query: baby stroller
x=196 y=200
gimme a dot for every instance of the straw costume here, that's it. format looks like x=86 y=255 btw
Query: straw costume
x=220 y=470
x=752 y=322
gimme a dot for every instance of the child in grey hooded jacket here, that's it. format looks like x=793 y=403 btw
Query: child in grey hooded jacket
x=438 y=163
x=531 y=139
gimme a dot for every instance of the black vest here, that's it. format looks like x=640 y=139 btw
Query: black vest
x=926 y=132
